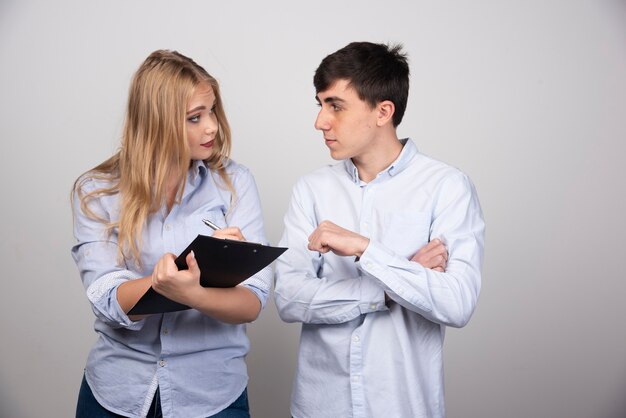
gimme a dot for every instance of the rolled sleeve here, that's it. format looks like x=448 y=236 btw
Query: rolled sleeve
x=96 y=256
x=101 y=283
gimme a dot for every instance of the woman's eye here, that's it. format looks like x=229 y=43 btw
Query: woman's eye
x=194 y=119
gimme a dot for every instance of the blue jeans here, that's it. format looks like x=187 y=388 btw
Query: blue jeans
x=88 y=406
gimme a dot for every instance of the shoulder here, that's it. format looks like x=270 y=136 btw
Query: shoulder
x=96 y=193
x=444 y=182
x=322 y=176
x=435 y=170
x=91 y=182
x=235 y=169
x=239 y=174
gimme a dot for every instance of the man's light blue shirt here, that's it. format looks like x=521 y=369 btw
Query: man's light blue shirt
x=359 y=356
x=197 y=362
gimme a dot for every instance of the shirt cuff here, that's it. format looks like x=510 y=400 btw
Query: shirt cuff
x=103 y=296
x=374 y=259
x=372 y=295
x=260 y=284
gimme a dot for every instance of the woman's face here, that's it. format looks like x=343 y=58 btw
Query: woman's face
x=201 y=122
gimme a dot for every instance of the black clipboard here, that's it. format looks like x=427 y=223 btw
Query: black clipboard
x=222 y=263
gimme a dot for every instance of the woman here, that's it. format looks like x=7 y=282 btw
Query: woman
x=132 y=214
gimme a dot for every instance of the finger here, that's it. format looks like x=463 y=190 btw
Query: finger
x=315 y=234
x=192 y=264
x=426 y=257
x=319 y=247
x=156 y=272
x=439 y=269
x=440 y=246
x=231 y=237
x=433 y=243
x=436 y=252
x=164 y=268
x=231 y=232
x=314 y=246
x=429 y=250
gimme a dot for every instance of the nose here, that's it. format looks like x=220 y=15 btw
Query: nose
x=321 y=122
x=211 y=125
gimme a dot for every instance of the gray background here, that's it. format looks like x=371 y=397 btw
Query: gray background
x=527 y=97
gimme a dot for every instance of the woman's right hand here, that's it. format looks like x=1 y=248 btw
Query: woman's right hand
x=231 y=232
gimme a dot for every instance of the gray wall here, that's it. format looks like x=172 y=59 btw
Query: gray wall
x=527 y=97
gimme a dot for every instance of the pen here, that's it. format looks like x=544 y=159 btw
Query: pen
x=210 y=224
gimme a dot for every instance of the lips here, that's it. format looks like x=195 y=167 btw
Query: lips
x=208 y=144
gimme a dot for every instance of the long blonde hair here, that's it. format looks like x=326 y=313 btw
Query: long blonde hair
x=154 y=146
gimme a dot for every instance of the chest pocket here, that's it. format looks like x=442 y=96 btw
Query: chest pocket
x=405 y=232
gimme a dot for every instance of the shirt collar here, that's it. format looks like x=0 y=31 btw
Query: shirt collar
x=198 y=170
x=408 y=152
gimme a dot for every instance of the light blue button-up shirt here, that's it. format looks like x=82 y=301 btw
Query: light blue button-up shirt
x=358 y=356
x=196 y=361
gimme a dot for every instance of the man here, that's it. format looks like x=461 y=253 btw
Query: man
x=367 y=272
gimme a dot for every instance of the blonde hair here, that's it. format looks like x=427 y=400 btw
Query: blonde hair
x=154 y=147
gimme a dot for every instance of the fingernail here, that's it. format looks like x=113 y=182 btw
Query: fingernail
x=192 y=254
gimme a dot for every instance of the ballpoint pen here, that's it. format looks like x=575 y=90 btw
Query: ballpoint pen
x=210 y=224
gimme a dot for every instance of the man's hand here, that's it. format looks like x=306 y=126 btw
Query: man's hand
x=433 y=255
x=330 y=237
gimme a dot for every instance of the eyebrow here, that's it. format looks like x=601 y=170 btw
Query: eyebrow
x=197 y=108
x=331 y=99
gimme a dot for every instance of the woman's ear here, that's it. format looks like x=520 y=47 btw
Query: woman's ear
x=386 y=109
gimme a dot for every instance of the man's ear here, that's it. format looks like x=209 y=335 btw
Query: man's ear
x=386 y=109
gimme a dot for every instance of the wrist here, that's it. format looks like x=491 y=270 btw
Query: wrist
x=364 y=243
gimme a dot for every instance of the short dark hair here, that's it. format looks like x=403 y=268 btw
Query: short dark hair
x=376 y=71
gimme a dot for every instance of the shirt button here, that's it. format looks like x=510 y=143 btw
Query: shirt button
x=162 y=363
x=165 y=331
x=356 y=339
x=355 y=378
x=168 y=227
x=373 y=307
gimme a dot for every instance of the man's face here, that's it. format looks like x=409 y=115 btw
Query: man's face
x=347 y=122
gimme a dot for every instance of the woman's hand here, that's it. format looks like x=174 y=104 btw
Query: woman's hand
x=231 y=232
x=235 y=305
x=177 y=285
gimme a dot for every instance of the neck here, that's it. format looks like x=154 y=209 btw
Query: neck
x=377 y=159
